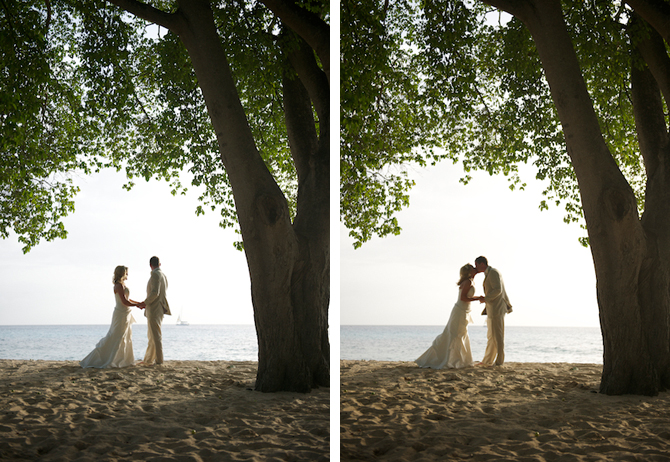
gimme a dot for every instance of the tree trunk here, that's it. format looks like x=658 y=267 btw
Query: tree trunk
x=310 y=152
x=288 y=263
x=655 y=149
x=625 y=258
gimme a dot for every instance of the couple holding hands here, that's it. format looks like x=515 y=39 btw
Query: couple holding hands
x=116 y=348
x=451 y=349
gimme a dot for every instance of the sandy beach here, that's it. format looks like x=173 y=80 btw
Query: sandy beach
x=521 y=411
x=182 y=411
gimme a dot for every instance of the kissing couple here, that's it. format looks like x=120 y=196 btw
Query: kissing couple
x=116 y=348
x=451 y=349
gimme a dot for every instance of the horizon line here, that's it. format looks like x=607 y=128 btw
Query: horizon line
x=442 y=325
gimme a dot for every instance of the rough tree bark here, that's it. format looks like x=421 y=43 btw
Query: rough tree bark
x=650 y=77
x=630 y=255
x=310 y=284
x=289 y=263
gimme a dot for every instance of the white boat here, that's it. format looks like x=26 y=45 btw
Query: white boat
x=180 y=322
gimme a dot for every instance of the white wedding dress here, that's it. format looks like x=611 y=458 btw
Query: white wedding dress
x=451 y=349
x=116 y=348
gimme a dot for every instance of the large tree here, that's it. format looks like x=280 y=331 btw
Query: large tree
x=236 y=92
x=580 y=89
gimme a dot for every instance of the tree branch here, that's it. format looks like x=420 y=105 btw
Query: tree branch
x=313 y=78
x=307 y=25
x=149 y=13
x=300 y=127
x=653 y=52
x=649 y=117
x=656 y=13
x=513 y=7
x=47 y=22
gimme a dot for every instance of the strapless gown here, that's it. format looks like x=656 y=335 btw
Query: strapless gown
x=116 y=348
x=451 y=349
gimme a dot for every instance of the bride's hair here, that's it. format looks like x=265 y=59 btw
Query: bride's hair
x=465 y=273
x=119 y=273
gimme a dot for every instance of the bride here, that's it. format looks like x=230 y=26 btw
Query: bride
x=116 y=348
x=451 y=349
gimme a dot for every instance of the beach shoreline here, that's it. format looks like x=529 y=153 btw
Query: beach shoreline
x=182 y=410
x=520 y=411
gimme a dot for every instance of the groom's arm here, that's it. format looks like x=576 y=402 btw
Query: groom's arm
x=493 y=286
x=153 y=289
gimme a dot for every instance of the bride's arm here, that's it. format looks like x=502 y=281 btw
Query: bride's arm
x=465 y=287
x=118 y=288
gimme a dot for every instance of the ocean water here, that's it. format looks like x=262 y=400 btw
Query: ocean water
x=522 y=344
x=238 y=342
x=194 y=342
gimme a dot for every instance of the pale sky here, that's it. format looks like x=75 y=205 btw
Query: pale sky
x=70 y=281
x=410 y=279
x=407 y=279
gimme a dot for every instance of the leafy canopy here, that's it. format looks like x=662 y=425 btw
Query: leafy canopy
x=86 y=86
x=384 y=119
x=448 y=79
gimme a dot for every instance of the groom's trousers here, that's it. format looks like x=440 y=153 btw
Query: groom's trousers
x=154 y=352
x=495 y=345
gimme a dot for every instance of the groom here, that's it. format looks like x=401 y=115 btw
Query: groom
x=497 y=305
x=156 y=306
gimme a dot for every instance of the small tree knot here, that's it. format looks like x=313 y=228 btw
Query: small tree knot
x=271 y=209
x=618 y=202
